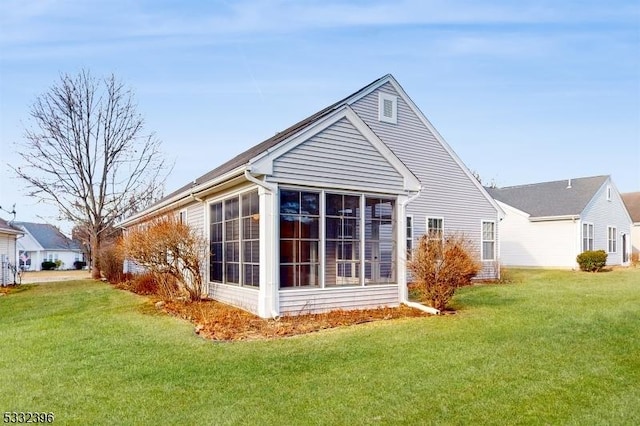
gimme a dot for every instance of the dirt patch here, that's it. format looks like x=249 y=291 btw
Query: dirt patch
x=217 y=321
x=31 y=277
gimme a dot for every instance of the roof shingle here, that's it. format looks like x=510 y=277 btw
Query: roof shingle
x=548 y=199
x=632 y=201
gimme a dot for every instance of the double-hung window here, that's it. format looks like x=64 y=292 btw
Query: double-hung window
x=612 y=239
x=488 y=240
x=587 y=236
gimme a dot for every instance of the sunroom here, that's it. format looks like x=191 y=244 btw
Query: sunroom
x=319 y=225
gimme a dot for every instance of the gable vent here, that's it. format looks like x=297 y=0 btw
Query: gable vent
x=388 y=108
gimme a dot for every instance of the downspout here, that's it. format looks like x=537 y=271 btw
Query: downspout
x=272 y=189
x=406 y=301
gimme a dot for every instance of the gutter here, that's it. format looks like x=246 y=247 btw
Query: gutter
x=551 y=218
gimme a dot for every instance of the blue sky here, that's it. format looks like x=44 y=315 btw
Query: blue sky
x=524 y=92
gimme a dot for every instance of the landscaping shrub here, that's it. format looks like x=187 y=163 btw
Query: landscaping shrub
x=440 y=267
x=48 y=265
x=79 y=264
x=635 y=260
x=112 y=263
x=592 y=260
x=170 y=248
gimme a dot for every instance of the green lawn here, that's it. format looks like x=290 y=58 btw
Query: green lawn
x=556 y=347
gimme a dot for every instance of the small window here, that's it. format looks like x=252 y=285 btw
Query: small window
x=409 y=237
x=182 y=216
x=608 y=193
x=388 y=108
x=612 y=239
x=435 y=228
x=488 y=240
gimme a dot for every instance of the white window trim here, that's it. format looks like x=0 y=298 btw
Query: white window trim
x=382 y=97
x=482 y=241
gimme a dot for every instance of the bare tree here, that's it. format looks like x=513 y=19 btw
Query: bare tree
x=87 y=153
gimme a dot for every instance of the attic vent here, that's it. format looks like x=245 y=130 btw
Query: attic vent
x=387 y=108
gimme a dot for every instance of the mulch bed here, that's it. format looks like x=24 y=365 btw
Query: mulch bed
x=217 y=321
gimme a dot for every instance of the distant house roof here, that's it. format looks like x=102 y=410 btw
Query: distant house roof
x=7 y=228
x=48 y=236
x=549 y=199
x=632 y=201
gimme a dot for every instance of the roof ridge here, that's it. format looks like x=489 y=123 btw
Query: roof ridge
x=552 y=181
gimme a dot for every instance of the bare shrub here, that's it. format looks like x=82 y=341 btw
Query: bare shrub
x=110 y=263
x=167 y=247
x=440 y=267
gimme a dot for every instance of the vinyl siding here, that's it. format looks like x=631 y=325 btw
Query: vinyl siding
x=242 y=297
x=538 y=244
x=297 y=302
x=603 y=213
x=448 y=191
x=339 y=156
x=7 y=254
x=635 y=238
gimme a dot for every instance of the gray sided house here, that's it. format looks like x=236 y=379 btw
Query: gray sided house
x=8 y=251
x=548 y=224
x=321 y=215
x=45 y=242
x=632 y=201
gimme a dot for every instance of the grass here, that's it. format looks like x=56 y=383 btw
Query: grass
x=557 y=347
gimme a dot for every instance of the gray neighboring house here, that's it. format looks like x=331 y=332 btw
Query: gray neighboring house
x=45 y=242
x=548 y=224
x=632 y=201
x=321 y=215
x=8 y=251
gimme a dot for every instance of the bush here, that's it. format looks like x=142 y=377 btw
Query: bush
x=79 y=264
x=47 y=265
x=592 y=260
x=440 y=267
x=112 y=263
x=172 y=250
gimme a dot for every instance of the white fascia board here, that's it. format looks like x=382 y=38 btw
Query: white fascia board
x=262 y=164
x=173 y=201
x=509 y=208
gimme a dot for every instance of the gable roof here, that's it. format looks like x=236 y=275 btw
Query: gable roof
x=632 y=202
x=48 y=236
x=550 y=199
x=242 y=162
x=7 y=228
x=244 y=157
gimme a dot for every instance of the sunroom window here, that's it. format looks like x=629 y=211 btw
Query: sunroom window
x=234 y=232
x=299 y=238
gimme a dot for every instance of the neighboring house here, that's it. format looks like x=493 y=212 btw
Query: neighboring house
x=320 y=216
x=632 y=201
x=45 y=242
x=8 y=251
x=548 y=224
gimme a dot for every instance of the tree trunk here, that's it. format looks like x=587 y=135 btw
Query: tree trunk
x=95 y=256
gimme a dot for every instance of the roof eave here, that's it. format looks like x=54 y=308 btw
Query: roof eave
x=192 y=193
x=552 y=218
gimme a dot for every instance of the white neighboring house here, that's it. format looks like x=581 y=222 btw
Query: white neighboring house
x=8 y=251
x=320 y=216
x=45 y=242
x=548 y=224
x=632 y=201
